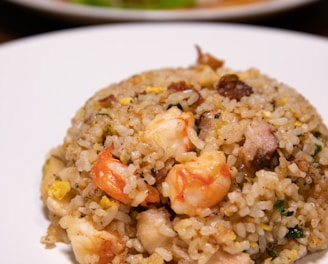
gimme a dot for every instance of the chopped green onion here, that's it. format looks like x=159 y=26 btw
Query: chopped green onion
x=295 y=232
x=272 y=254
x=280 y=207
x=317 y=149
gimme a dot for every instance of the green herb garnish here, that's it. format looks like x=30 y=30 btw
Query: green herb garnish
x=272 y=254
x=295 y=232
x=280 y=207
x=317 y=149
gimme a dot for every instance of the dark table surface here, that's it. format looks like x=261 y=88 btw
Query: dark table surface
x=17 y=22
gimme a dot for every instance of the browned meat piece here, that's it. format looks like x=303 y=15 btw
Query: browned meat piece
x=208 y=59
x=188 y=96
x=259 y=146
x=180 y=86
x=105 y=102
x=230 y=86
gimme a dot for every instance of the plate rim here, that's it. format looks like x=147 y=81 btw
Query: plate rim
x=86 y=30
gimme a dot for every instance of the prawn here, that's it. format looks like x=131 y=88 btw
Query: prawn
x=92 y=246
x=108 y=174
x=171 y=130
x=199 y=184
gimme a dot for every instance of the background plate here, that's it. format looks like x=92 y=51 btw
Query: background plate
x=99 y=14
x=45 y=79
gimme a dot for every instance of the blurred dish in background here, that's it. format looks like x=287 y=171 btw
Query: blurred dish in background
x=163 y=4
x=218 y=9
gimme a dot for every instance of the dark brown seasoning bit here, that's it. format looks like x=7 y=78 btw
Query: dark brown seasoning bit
x=153 y=171
x=208 y=59
x=180 y=86
x=232 y=87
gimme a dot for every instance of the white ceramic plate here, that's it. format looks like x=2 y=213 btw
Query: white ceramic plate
x=97 y=14
x=45 y=79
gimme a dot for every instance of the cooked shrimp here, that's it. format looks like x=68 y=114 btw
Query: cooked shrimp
x=90 y=245
x=171 y=130
x=109 y=174
x=199 y=184
x=221 y=257
x=154 y=230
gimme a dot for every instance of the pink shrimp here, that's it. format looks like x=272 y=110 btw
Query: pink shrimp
x=107 y=175
x=200 y=184
x=171 y=130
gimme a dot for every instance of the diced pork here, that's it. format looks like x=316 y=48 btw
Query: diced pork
x=259 y=146
x=232 y=87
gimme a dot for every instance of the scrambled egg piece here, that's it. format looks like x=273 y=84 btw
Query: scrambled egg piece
x=105 y=202
x=154 y=89
x=284 y=100
x=59 y=189
x=126 y=100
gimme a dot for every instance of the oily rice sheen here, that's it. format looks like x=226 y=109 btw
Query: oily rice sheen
x=198 y=164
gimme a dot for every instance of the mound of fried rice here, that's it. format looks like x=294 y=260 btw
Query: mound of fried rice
x=116 y=189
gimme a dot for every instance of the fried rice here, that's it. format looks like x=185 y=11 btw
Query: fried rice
x=200 y=164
